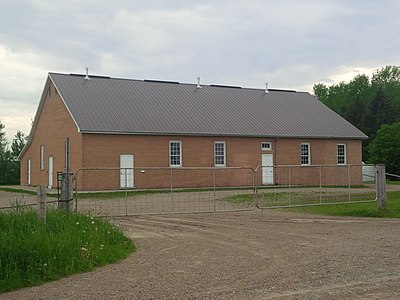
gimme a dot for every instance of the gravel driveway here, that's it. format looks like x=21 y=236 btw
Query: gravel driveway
x=243 y=256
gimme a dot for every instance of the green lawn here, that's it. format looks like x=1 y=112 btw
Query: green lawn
x=359 y=209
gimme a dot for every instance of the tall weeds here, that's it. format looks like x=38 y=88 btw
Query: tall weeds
x=32 y=252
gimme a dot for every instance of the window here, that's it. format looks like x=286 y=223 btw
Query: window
x=219 y=154
x=41 y=157
x=305 y=153
x=175 y=153
x=266 y=146
x=341 y=154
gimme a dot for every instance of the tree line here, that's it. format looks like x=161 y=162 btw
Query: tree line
x=9 y=163
x=373 y=106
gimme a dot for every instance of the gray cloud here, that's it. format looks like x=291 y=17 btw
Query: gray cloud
x=290 y=44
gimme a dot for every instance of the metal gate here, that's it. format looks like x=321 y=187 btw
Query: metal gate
x=192 y=190
x=296 y=186
x=163 y=190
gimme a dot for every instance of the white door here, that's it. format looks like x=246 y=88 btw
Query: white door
x=50 y=172
x=267 y=169
x=126 y=171
x=28 y=170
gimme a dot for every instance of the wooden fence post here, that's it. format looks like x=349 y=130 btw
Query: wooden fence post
x=41 y=203
x=381 y=187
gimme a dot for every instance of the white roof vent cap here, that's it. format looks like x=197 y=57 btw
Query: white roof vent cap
x=87 y=74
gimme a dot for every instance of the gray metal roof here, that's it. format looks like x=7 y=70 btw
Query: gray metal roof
x=124 y=106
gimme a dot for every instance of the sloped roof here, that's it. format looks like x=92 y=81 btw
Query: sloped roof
x=124 y=106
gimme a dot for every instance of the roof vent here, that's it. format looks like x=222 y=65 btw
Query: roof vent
x=266 y=87
x=87 y=74
x=198 y=83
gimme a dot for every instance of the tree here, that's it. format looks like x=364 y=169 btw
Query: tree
x=365 y=103
x=4 y=156
x=18 y=144
x=9 y=163
x=3 y=142
x=385 y=148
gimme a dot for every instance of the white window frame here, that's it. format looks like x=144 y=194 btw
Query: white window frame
x=341 y=156
x=308 y=156
x=41 y=161
x=269 y=144
x=175 y=155
x=219 y=155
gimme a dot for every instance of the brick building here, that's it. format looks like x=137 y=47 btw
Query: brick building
x=123 y=123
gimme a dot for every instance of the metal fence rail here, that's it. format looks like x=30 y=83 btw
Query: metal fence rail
x=22 y=202
x=163 y=190
x=132 y=191
x=315 y=185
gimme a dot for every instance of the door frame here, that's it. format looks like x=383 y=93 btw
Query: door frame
x=28 y=171
x=51 y=172
x=266 y=178
x=128 y=180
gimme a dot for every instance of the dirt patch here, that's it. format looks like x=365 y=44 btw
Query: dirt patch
x=243 y=256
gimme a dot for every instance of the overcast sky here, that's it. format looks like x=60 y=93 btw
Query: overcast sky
x=290 y=44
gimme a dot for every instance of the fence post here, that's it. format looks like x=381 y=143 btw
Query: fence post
x=381 y=187
x=126 y=192
x=215 y=197
x=290 y=191
x=349 y=181
x=66 y=192
x=171 y=191
x=41 y=203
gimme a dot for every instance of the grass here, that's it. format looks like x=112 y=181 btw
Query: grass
x=134 y=193
x=26 y=192
x=20 y=191
x=346 y=209
x=359 y=209
x=32 y=252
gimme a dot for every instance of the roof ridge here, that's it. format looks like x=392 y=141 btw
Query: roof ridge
x=178 y=82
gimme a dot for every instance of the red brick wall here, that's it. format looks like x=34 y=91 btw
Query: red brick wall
x=103 y=151
x=54 y=125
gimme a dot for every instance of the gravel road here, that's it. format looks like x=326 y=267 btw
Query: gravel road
x=281 y=255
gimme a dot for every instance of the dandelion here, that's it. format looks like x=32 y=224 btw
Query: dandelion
x=92 y=222
x=77 y=223
x=44 y=265
x=95 y=228
x=83 y=249
x=101 y=247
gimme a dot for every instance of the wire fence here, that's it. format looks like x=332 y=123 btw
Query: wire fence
x=316 y=185
x=163 y=190
x=22 y=202
x=134 y=191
